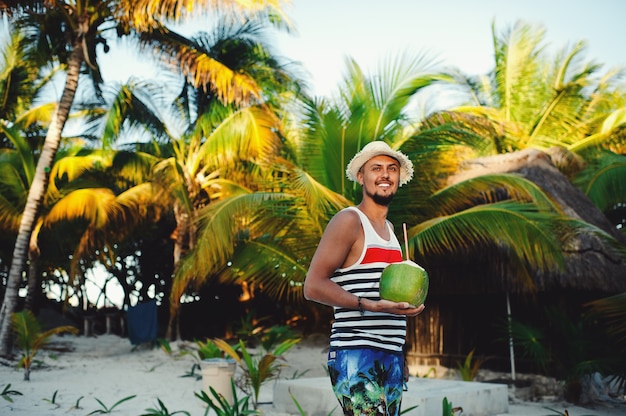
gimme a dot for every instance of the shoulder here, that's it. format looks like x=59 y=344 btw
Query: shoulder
x=346 y=217
x=345 y=225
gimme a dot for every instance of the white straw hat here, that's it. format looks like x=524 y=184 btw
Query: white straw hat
x=377 y=148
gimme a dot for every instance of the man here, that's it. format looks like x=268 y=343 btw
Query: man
x=365 y=359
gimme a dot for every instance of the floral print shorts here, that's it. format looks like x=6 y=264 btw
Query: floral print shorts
x=367 y=381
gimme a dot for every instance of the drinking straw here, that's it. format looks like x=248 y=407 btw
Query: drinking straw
x=406 y=241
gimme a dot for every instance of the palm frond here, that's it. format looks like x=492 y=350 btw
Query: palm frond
x=516 y=53
x=40 y=114
x=612 y=311
x=134 y=106
x=145 y=14
x=516 y=227
x=169 y=178
x=23 y=150
x=324 y=149
x=70 y=168
x=133 y=166
x=204 y=72
x=94 y=205
x=486 y=189
x=398 y=80
x=612 y=123
x=603 y=181
x=247 y=134
x=221 y=226
x=319 y=201
x=268 y=266
x=10 y=216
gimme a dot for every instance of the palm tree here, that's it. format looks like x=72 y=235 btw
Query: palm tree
x=70 y=32
x=65 y=199
x=527 y=117
x=81 y=192
x=22 y=130
x=206 y=147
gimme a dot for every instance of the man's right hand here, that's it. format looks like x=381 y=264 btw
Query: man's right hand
x=388 y=306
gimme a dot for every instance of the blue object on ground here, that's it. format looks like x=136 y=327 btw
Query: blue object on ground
x=142 y=322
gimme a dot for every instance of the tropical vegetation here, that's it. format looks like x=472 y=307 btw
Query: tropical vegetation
x=30 y=337
x=220 y=189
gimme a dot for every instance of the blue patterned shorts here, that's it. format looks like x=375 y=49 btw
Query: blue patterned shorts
x=367 y=381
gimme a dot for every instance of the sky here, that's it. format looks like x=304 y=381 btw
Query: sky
x=459 y=33
x=456 y=33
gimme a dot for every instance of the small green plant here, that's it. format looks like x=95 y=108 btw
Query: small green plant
x=77 y=404
x=7 y=393
x=275 y=335
x=164 y=345
x=297 y=403
x=222 y=407
x=529 y=341
x=431 y=371
x=256 y=371
x=299 y=374
x=107 y=410
x=53 y=400
x=162 y=411
x=249 y=328
x=192 y=373
x=30 y=338
x=403 y=411
x=448 y=410
x=470 y=368
x=209 y=349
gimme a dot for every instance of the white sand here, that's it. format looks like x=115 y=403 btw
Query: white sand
x=107 y=369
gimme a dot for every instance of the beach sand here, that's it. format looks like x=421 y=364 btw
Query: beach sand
x=77 y=375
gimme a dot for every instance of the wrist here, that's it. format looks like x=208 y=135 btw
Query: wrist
x=360 y=305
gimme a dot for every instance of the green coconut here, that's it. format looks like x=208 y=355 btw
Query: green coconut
x=404 y=282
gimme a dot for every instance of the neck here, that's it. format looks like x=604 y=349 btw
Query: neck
x=375 y=212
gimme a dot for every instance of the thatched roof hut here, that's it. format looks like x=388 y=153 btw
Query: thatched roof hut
x=470 y=291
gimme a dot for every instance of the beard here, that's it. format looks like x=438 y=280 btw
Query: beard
x=383 y=200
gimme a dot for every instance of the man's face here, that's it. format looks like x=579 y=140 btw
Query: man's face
x=379 y=177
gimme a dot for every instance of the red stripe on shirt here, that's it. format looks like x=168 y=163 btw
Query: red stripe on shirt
x=385 y=255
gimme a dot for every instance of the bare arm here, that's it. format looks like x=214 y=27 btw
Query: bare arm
x=341 y=246
x=337 y=243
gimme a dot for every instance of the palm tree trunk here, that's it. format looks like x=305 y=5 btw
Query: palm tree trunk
x=32 y=293
x=180 y=248
x=35 y=196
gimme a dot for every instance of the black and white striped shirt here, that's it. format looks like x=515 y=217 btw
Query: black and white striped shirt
x=375 y=330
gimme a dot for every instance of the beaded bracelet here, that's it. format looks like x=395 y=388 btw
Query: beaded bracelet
x=360 y=306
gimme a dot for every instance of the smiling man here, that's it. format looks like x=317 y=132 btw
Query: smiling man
x=368 y=333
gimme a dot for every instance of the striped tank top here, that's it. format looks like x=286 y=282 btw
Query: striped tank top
x=376 y=330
